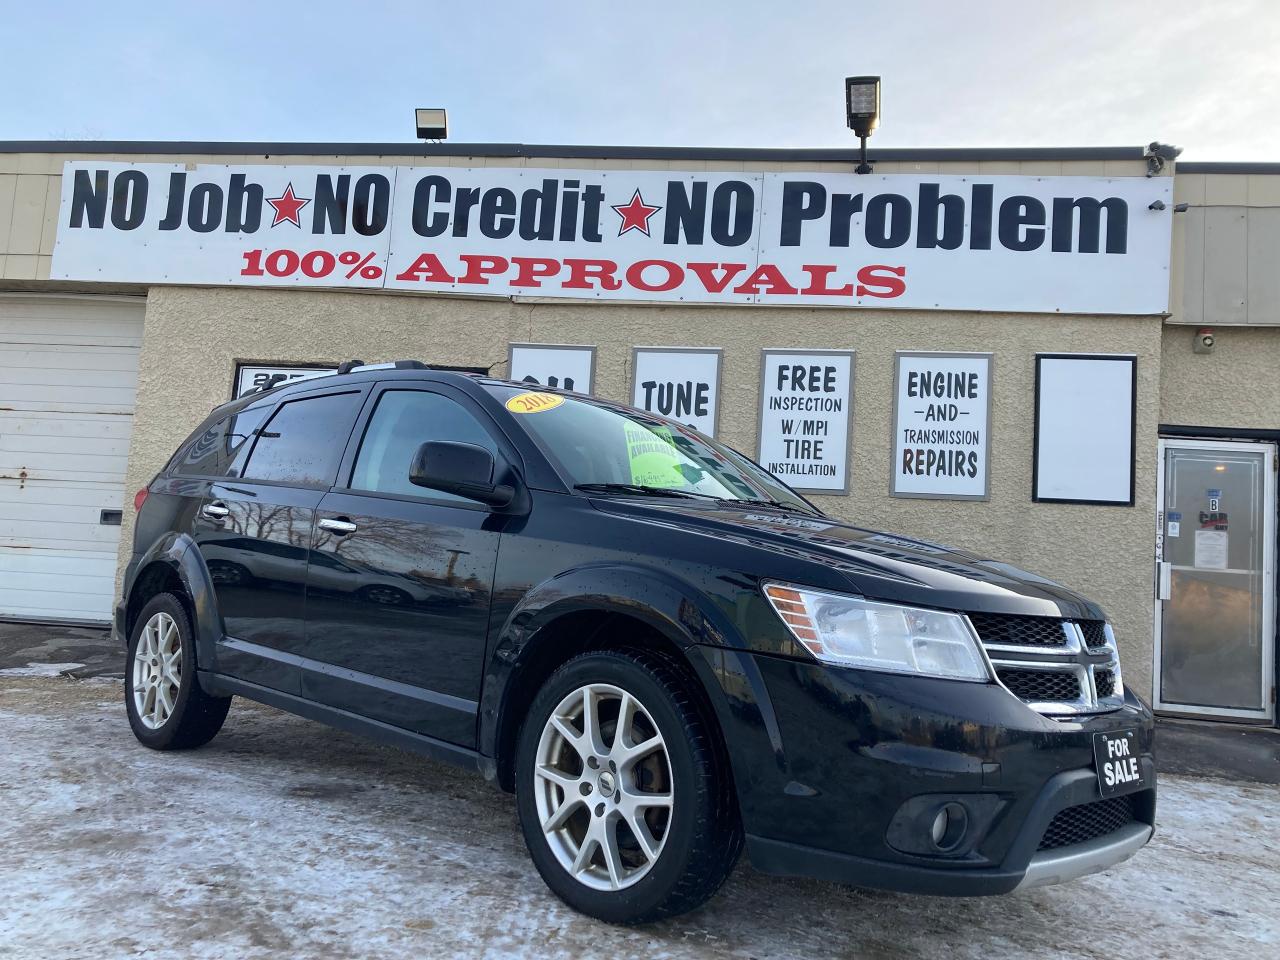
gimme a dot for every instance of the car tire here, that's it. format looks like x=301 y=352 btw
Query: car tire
x=693 y=838
x=167 y=708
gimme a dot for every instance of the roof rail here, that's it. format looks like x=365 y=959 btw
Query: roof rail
x=348 y=366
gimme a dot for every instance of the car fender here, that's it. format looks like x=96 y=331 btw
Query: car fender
x=177 y=552
x=712 y=647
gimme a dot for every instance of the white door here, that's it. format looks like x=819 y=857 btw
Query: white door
x=68 y=376
x=1216 y=582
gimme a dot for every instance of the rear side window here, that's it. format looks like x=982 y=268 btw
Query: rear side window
x=402 y=422
x=220 y=450
x=303 y=442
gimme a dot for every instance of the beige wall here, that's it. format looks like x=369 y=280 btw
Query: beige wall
x=194 y=336
x=1237 y=385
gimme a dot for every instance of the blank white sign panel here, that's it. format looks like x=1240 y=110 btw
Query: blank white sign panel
x=1084 y=429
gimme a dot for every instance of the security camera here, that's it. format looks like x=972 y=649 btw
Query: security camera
x=1203 y=342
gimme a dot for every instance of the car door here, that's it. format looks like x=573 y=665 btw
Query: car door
x=399 y=586
x=253 y=530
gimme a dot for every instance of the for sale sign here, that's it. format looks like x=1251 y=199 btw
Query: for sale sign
x=942 y=425
x=1030 y=244
x=806 y=398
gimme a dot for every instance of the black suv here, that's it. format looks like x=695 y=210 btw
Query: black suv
x=663 y=650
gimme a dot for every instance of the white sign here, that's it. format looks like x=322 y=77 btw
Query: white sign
x=250 y=378
x=1086 y=412
x=941 y=425
x=1211 y=550
x=678 y=382
x=553 y=365
x=805 y=401
x=1000 y=243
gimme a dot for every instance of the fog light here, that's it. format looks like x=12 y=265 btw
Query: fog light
x=949 y=825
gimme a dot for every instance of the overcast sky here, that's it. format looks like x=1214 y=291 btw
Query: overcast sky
x=1202 y=75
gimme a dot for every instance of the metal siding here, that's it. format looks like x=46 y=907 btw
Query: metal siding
x=1264 y=277
x=1193 y=267
x=28 y=215
x=1226 y=267
x=68 y=380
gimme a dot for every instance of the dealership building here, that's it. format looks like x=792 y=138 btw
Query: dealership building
x=1065 y=360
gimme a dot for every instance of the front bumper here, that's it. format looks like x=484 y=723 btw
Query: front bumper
x=831 y=763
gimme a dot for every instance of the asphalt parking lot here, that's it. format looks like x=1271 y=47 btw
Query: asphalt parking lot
x=284 y=838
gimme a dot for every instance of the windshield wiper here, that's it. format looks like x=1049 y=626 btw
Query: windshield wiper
x=776 y=504
x=642 y=490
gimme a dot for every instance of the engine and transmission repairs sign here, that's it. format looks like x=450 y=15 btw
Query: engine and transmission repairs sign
x=805 y=401
x=1004 y=243
x=942 y=425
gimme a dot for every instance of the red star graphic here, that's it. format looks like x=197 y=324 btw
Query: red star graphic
x=287 y=206
x=635 y=214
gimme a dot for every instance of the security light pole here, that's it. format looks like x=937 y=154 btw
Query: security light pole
x=862 y=109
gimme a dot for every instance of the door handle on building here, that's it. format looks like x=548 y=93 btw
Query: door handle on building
x=340 y=527
x=1164 y=580
x=215 y=511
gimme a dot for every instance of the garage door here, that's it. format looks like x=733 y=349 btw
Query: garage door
x=68 y=375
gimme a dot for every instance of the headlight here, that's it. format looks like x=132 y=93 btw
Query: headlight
x=852 y=632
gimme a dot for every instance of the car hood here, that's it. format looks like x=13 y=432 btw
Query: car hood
x=878 y=565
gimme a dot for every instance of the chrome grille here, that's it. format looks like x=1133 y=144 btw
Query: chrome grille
x=1041 y=685
x=1019 y=631
x=1094 y=632
x=1105 y=681
x=1058 y=667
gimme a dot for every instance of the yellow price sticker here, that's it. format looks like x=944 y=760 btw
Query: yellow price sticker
x=534 y=402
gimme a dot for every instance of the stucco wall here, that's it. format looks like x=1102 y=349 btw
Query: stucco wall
x=194 y=336
x=1237 y=385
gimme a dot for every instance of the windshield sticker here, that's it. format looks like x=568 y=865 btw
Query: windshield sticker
x=654 y=459
x=533 y=402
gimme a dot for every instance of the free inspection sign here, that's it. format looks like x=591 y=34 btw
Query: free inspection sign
x=1025 y=244
x=805 y=406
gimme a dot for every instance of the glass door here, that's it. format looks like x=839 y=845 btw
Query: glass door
x=1215 y=591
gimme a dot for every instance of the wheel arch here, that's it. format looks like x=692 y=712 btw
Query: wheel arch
x=613 y=607
x=173 y=566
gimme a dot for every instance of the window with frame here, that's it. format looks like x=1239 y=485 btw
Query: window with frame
x=401 y=423
x=303 y=442
x=220 y=450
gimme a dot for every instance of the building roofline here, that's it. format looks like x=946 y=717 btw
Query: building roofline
x=573 y=151
x=1228 y=167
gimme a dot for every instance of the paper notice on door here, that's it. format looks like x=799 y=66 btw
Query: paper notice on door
x=1175 y=527
x=1211 y=550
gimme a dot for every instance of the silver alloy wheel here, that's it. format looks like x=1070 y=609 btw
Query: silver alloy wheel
x=157 y=671
x=602 y=785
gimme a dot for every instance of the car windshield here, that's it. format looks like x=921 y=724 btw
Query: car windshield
x=599 y=446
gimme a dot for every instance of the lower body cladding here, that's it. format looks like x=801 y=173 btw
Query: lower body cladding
x=925 y=786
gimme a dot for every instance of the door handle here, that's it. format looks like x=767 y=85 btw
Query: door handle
x=215 y=511
x=336 y=525
x=1164 y=580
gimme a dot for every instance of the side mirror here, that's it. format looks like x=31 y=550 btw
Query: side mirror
x=462 y=469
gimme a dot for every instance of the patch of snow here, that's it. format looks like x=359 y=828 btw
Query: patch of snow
x=283 y=838
x=39 y=670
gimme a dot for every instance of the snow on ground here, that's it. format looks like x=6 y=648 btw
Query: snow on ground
x=39 y=670
x=283 y=838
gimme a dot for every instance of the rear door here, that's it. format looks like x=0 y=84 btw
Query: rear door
x=253 y=530
x=400 y=580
